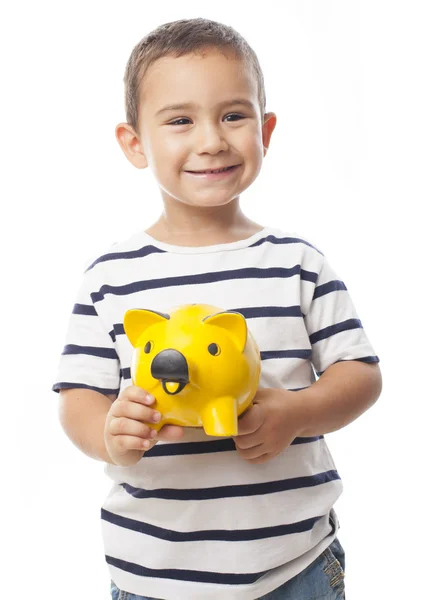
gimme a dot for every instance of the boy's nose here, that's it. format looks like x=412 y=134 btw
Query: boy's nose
x=211 y=140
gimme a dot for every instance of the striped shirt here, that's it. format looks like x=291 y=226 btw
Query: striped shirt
x=193 y=520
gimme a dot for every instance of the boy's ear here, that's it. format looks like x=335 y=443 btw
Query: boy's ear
x=269 y=123
x=131 y=145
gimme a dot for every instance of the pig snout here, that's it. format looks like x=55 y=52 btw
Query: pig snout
x=171 y=368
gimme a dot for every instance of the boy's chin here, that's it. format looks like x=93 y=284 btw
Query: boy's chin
x=210 y=199
x=210 y=202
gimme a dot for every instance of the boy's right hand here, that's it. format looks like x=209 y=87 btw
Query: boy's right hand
x=127 y=431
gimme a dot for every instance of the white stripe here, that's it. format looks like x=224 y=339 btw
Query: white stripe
x=74 y=368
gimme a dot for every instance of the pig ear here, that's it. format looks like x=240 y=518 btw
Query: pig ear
x=234 y=323
x=136 y=321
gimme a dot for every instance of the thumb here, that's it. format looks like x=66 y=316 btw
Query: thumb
x=251 y=421
x=170 y=433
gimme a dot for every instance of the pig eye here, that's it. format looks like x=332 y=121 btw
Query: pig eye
x=214 y=349
x=148 y=347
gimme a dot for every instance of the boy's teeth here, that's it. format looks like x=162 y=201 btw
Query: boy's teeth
x=216 y=171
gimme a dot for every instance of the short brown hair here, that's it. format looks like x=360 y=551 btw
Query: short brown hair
x=179 y=38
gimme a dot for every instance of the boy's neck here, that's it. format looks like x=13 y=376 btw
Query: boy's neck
x=185 y=225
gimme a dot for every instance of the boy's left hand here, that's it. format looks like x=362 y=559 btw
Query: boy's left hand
x=270 y=424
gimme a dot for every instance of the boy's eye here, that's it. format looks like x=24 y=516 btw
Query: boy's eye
x=180 y=121
x=235 y=115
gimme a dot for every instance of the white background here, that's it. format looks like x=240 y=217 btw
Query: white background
x=347 y=168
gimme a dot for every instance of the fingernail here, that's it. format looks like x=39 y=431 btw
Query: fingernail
x=146 y=444
x=150 y=398
x=156 y=416
x=153 y=433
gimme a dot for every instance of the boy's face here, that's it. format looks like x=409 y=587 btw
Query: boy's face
x=213 y=131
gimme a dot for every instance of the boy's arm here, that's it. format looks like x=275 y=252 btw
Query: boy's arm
x=347 y=386
x=114 y=429
x=82 y=414
x=343 y=392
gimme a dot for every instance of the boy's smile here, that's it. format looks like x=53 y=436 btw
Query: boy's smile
x=215 y=175
x=200 y=113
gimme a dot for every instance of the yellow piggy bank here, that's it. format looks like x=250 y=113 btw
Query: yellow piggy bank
x=201 y=363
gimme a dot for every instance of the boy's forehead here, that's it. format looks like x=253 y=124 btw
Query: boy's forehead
x=200 y=78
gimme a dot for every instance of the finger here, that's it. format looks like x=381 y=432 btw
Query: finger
x=259 y=460
x=134 y=393
x=249 y=440
x=251 y=453
x=133 y=410
x=124 y=443
x=124 y=426
x=171 y=433
x=251 y=421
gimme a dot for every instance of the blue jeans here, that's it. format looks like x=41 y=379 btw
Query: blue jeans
x=322 y=579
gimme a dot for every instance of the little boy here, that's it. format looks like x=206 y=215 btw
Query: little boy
x=191 y=517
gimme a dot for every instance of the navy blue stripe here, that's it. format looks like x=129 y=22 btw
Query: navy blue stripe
x=224 y=535
x=233 y=491
x=84 y=309
x=306 y=440
x=255 y=312
x=225 y=445
x=367 y=359
x=150 y=249
x=90 y=351
x=125 y=373
x=118 y=329
x=204 y=278
x=364 y=359
x=140 y=253
x=326 y=288
x=285 y=240
x=181 y=449
x=267 y=354
x=67 y=385
x=248 y=313
x=327 y=332
x=185 y=574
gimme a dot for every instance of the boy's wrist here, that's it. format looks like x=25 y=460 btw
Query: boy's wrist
x=344 y=392
x=306 y=407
